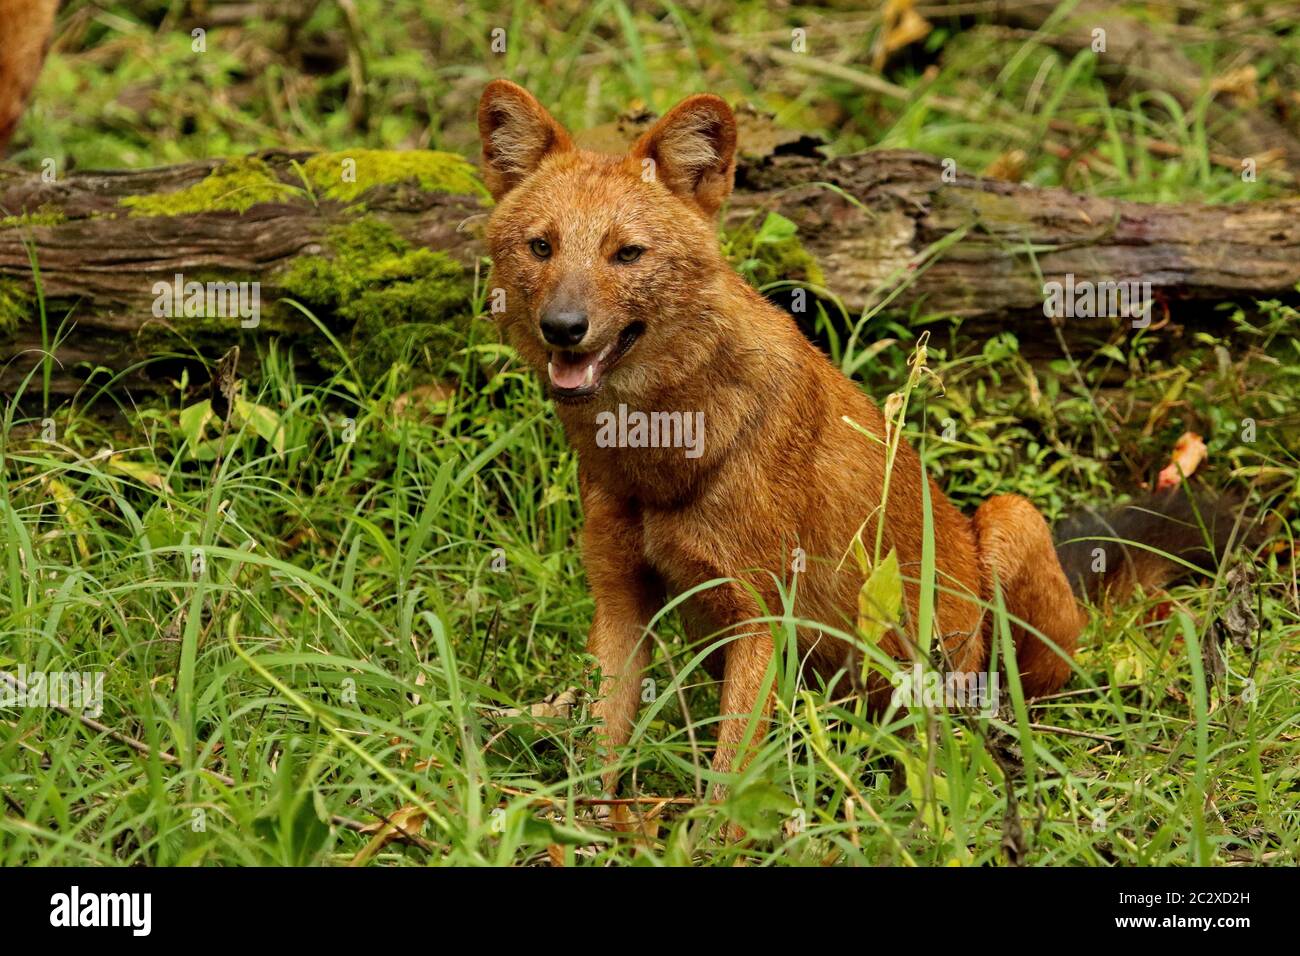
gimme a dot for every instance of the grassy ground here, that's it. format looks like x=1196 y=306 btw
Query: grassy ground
x=327 y=610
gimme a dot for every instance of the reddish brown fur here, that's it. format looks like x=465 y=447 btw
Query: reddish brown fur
x=25 y=27
x=780 y=467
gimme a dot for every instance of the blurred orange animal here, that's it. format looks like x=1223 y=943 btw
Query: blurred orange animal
x=25 y=27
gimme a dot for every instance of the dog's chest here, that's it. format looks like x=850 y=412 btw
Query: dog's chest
x=686 y=546
x=689 y=549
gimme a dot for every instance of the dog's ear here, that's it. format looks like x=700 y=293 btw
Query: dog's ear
x=517 y=133
x=693 y=148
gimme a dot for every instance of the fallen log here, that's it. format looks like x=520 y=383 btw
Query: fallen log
x=1135 y=52
x=383 y=246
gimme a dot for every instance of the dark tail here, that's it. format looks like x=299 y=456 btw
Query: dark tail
x=1143 y=542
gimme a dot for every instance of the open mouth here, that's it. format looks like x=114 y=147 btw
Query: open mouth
x=578 y=375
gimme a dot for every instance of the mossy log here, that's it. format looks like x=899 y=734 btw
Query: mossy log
x=384 y=246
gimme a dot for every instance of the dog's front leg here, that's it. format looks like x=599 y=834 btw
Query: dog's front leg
x=622 y=649
x=627 y=594
x=731 y=610
x=747 y=659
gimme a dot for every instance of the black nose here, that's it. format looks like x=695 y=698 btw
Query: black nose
x=564 y=329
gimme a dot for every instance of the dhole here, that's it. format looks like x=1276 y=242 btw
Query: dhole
x=25 y=27
x=616 y=291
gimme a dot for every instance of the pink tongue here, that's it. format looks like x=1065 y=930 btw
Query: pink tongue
x=571 y=374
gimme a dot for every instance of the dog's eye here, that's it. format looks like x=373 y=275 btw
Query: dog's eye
x=540 y=248
x=629 y=254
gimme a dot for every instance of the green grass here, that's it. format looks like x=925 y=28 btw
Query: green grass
x=155 y=100
x=326 y=611
x=349 y=635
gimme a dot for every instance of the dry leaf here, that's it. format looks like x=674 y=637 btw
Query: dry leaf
x=558 y=705
x=615 y=138
x=431 y=398
x=406 y=820
x=1241 y=83
x=644 y=823
x=225 y=384
x=296 y=540
x=141 y=472
x=893 y=406
x=759 y=136
x=902 y=26
x=1238 y=621
x=1009 y=167
x=1189 y=453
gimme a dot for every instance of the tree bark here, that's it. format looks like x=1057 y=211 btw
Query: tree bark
x=868 y=220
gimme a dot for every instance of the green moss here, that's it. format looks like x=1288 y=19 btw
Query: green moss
x=234 y=186
x=388 y=291
x=334 y=175
x=46 y=215
x=16 y=305
x=772 y=253
x=169 y=330
x=239 y=184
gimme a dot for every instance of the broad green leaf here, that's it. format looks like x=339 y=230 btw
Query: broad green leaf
x=760 y=808
x=775 y=228
x=141 y=471
x=880 y=600
x=265 y=422
x=194 y=419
